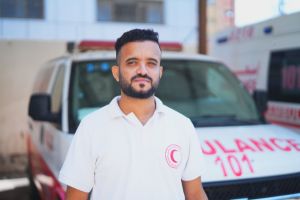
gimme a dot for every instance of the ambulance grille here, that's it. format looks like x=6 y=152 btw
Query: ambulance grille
x=254 y=188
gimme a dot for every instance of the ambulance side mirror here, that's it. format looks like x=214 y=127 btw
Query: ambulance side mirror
x=261 y=101
x=40 y=108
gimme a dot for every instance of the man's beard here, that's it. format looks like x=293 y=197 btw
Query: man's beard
x=128 y=89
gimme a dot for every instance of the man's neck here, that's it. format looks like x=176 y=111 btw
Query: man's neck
x=142 y=108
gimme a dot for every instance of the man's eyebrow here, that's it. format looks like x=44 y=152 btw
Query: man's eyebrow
x=153 y=60
x=131 y=59
x=135 y=59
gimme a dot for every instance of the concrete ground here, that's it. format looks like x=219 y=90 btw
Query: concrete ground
x=14 y=183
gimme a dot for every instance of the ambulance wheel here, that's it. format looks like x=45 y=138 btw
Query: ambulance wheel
x=34 y=193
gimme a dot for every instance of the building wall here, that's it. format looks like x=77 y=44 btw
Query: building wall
x=77 y=20
x=26 y=43
x=220 y=16
x=19 y=62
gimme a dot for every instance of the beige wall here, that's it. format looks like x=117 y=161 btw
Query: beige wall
x=219 y=18
x=19 y=61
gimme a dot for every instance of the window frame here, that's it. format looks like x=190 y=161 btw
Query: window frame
x=58 y=75
x=26 y=11
x=139 y=18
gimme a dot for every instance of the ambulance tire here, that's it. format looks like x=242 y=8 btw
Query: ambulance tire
x=34 y=194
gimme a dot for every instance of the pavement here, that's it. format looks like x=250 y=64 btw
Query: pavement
x=14 y=182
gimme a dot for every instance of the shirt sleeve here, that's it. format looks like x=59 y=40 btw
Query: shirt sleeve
x=195 y=165
x=78 y=168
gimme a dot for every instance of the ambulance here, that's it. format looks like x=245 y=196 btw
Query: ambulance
x=245 y=157
x=266 y=58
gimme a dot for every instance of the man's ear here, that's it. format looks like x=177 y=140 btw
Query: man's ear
x=161 y=69
x=115 y=72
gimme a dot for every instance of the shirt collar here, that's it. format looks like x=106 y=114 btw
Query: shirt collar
x=160 y=107
x=115 y=110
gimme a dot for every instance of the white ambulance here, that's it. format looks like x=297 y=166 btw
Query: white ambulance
x=266 y=58
x=245 y=157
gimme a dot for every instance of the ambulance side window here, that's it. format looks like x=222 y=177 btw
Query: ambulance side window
x=56 y=94
x=284 y=76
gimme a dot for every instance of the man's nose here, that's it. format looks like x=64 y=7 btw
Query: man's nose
x=142 y=69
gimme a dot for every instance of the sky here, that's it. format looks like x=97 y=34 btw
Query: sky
x=253 y=11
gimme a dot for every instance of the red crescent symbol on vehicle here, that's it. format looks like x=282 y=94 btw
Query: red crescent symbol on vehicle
x=172 y=155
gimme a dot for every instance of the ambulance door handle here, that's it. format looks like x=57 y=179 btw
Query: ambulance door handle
x=30 y=126
x=42 y=134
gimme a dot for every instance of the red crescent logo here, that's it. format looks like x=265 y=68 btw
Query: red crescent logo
x=173 y=155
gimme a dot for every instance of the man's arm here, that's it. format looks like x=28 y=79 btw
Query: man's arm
x=193 y=190
x=74 y=194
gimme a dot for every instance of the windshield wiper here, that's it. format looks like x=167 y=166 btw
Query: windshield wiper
x=221 y=120
x=230 y=116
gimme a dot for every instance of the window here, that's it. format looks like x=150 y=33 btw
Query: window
x=146 y=11
x=33 y=9
x=284 y=76
x=56 y=95
x=92 y=86
x=205 y=92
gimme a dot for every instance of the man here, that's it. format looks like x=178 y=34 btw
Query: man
x=135 y=148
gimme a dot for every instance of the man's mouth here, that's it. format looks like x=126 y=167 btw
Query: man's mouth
x=141 y=79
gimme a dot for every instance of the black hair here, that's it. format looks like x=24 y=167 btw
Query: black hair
x=136 y=35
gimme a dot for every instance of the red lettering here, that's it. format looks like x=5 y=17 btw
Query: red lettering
x=219 y=160
x=294 y=144
x=284 y=78
x=210 y=150
x=234 y=165
x=276 y=141
x=249 y=32
x=246 y=159
x=292 y=77
x=243 y=146
x=261 y=144
x=223 y=148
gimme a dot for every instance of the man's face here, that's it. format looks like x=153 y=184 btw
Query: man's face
x=139 y=69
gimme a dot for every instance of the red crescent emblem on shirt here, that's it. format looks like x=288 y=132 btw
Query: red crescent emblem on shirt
x=173 y=155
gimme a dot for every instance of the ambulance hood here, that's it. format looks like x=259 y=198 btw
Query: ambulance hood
x=242 y=152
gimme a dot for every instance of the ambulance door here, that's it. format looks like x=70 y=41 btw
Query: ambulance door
x=284 y=88
x=50 y=137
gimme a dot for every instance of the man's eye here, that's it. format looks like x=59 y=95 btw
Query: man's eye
x=152 y=64
x=131 y=62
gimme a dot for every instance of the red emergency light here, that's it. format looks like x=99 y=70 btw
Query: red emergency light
x=88 y=45
x=171 y=46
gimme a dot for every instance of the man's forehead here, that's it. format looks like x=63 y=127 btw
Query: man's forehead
x=141 y=44
x=136 y=48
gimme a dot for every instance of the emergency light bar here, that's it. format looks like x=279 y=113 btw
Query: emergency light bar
x=87 y=45
x=90 y=45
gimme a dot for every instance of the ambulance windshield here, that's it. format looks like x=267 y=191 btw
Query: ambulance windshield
x=206 y=92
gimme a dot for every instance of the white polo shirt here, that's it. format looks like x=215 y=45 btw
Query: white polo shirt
x=121 y=159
